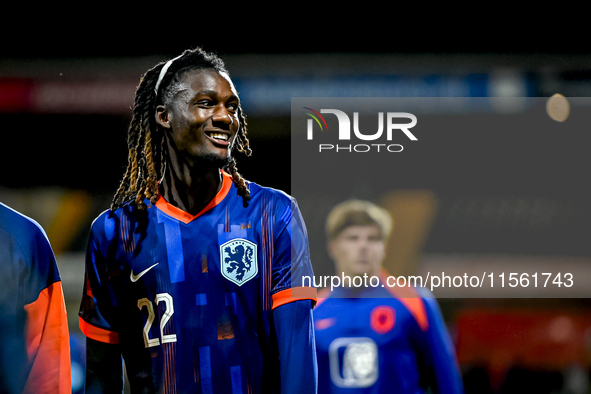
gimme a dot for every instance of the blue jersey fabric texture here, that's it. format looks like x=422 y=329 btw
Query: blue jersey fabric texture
x=27 y=267
x=196 y=302
x=372 y=341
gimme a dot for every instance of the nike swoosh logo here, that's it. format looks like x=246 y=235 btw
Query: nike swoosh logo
x=134 y=278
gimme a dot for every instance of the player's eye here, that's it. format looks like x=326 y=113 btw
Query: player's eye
x=205 y=103
x=232 y=107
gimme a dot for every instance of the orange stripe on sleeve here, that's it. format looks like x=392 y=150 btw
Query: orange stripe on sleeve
x=48 y=343
x=96 y=333
x=290 y=295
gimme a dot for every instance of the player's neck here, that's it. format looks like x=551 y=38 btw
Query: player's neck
x=190 y=189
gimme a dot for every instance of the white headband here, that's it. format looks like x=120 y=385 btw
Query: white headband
x=162 y=72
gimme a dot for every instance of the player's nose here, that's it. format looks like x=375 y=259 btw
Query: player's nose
x=362 y=245
x=222 y=115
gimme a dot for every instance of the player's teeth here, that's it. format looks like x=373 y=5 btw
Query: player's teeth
x=217 y=136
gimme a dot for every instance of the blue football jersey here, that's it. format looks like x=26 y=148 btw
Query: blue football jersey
x=378 y=341
x=190 y=298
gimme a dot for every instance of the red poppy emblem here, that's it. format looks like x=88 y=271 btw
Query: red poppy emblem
x=382 y=319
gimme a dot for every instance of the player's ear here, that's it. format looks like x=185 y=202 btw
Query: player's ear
x=162 y=116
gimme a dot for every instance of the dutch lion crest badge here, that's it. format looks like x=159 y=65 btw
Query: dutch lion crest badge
x=239 y=260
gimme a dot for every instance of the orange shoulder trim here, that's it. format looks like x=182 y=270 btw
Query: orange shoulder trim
x=411 y=300
x=290 y=295
x=416 y=307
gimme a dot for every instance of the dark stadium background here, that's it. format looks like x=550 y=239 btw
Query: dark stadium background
x=62 y=159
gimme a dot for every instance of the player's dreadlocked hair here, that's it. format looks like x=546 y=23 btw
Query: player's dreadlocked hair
x=145 y=138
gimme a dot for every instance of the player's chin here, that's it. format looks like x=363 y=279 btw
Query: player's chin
x=215 y=159
x=361 y=269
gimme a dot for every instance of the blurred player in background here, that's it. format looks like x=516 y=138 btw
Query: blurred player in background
x=35 y=355
x=377 y=339
x=189 y=275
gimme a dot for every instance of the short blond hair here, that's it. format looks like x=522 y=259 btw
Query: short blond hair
x=358 y=213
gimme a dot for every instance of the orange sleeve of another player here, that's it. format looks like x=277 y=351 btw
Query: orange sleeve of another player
x=48 y=343
x=290 y=295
